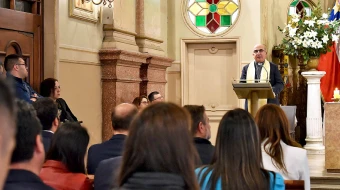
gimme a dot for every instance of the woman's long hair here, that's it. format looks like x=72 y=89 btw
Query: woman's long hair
x=273 y=125
x=69 y=144
x=47 y=87
x=159 y=141
x=237 y=160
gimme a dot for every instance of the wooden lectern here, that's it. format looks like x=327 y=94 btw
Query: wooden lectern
x=253 y=92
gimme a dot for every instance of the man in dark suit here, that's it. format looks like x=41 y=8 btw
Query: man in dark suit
x=107 y=173
x=121 y=118
x=7 y=128
x=28 y=155
x=261 y=69
x=47 y=112
x=17 y=71
x=200 y=129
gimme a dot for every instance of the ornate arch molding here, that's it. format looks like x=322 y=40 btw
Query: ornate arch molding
x=213 y=17
x=15 y=45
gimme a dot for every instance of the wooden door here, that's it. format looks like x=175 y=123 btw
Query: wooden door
x=21 y=33
x=210 y=69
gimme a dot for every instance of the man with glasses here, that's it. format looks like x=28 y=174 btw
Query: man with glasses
x=17 y=71
x=155 y=97
x=261 y=70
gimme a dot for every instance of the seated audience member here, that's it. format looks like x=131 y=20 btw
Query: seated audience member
x=17 y=71
x=200 y=129
x=28 y=155
x=106 y=171
x=141 y=102
x=50 y=88
x=159 y=152
x=237 y=162
x=47 y=112
x=7 y=129
x=64 y=167
x=280 y=153
x=121 y=118
x=155 y=97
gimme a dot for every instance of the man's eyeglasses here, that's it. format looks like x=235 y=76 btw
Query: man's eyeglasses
x=259 y=50
x=159 y=98
x=24 y=65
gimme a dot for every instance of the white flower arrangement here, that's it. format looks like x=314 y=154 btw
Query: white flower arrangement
x=309 y=36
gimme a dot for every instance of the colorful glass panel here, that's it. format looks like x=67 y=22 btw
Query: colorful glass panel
x=300 y=7
x=213 y=16
x=225 y=20
x=200 y=21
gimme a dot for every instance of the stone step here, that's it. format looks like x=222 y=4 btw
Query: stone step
x=324 y=187
x=326 y=180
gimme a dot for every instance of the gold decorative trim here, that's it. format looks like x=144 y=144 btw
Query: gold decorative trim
x=81 y=13
x=198 y=32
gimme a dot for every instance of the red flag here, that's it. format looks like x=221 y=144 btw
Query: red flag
x=329 y=62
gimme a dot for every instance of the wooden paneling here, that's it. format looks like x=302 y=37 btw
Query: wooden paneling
x=23 y=31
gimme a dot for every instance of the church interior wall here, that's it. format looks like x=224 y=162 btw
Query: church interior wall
x=77 y=68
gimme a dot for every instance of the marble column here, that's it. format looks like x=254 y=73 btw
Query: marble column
x=314 y=144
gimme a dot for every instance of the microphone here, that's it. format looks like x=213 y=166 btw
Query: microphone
x=261 y=66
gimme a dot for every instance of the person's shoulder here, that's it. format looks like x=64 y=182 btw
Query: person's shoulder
x=276 y=181
x=293 y=151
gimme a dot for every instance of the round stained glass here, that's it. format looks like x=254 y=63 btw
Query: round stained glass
x=211 y=17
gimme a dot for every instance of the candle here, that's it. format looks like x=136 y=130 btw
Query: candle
x=336 y=93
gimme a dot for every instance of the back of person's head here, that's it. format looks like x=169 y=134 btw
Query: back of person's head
x=159 y=141
x=237 y=159
x=274 y=127
x=10 y=61
x=151 y=96
x=197 y=116
x=7 y=128
x=47 y=87
x=69 y=145
x=122 y=116
x=28 y=133
x=47 y=112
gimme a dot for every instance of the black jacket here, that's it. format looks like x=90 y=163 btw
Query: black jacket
x=47 y=137
x=66 y=113
x=275 y=80
x=154 y=181
x=24 y=180
x=108 y=149
x=107 y=172
x=205 y=150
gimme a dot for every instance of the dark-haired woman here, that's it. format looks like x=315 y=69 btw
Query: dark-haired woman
x=237 y=162
x=159 y=152
x=64 y=167
x=141 y=102
x=50 y=88
x=280 y=153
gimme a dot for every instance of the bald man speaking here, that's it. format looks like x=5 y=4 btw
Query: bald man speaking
x=262 y=70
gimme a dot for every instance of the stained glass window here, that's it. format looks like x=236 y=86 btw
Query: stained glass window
x=213 y=16
x=300 y=7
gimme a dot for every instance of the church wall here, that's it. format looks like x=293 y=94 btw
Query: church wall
x=248 y=28
x=79 y=70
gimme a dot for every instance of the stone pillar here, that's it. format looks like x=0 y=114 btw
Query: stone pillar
x=153 y=74
x=148 y=26
x=120 y=81
x=314 y=144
